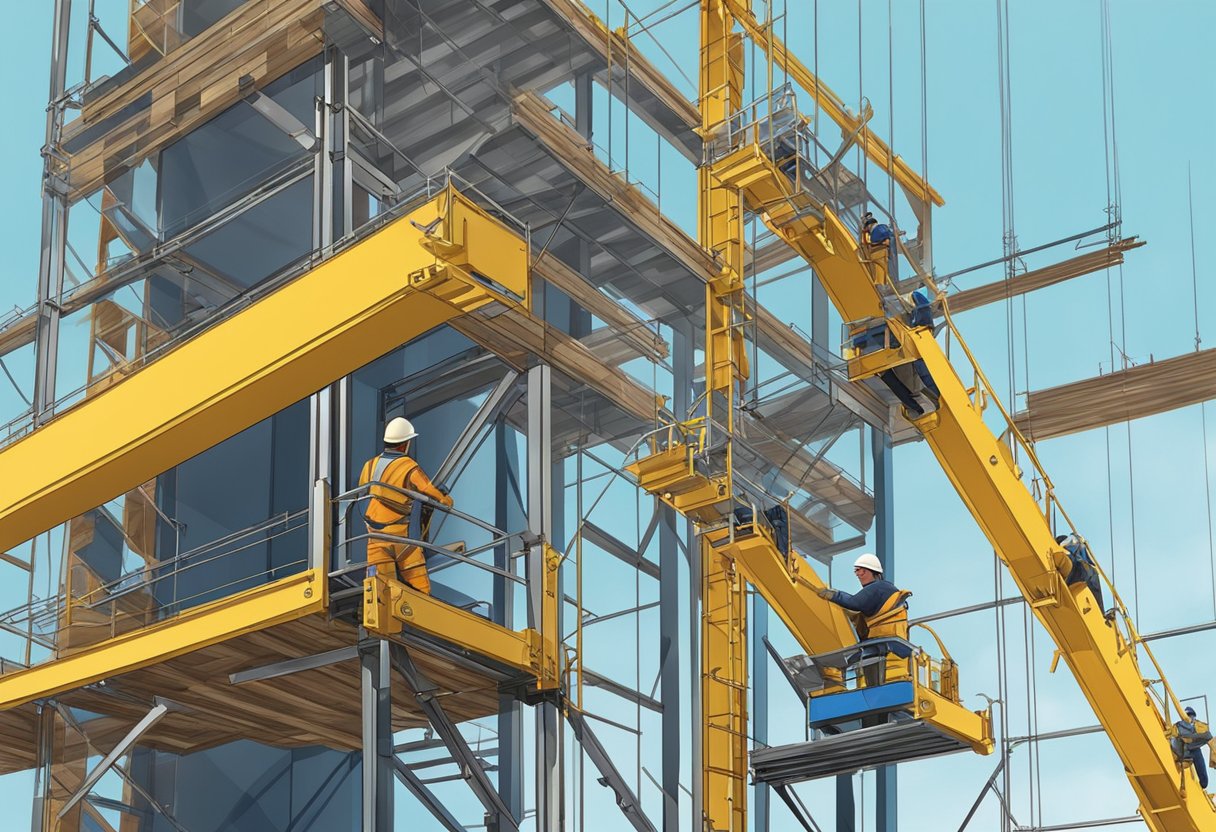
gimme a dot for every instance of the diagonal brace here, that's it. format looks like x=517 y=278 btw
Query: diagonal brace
x=425 y=796
x=424 y=693
x=124 y=745
x=626 y=800
x=135 y=785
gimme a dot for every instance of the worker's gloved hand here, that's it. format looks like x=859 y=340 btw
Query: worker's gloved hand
x=826 y=593
x=1212 y=764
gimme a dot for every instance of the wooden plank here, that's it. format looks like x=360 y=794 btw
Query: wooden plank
x=1133 y=393
x=364 y=15
x=1031 y=281
x=316 y=707
x=515 y=338
x=19 y=333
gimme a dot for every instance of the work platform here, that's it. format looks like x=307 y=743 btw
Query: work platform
x=851 y=752
x=270 y=665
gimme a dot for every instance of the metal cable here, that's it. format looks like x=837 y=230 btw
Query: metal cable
x=1203 y=410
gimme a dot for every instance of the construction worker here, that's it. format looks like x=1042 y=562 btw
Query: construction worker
x=1081 y=569
x=388 y=511
x=1188 y=742
x=882 y=612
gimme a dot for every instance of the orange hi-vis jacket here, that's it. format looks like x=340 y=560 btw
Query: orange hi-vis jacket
x=388 y=507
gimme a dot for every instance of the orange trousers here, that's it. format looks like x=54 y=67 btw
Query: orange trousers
x=408 y=562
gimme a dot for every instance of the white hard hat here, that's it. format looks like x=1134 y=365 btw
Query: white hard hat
x=869 y=561
x=398 y=430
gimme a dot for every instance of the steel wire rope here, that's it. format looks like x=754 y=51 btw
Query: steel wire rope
x=891 y=132
x=1002 y=685
x=1108 y=72
x=637 y=637
x=924 y=121
x=1009 y=245
x=863 y=158
x=1203 y=414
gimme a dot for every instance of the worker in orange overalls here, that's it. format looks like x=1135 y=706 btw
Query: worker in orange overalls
x=388 y=511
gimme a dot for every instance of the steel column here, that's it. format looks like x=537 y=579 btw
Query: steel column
x=39 y=819
x=510 y=711
x=846 y=809
x=549 y=796
x=377 y=736
x=759 y=685
x=682 y=344
x=54 y=223
x=887 y=808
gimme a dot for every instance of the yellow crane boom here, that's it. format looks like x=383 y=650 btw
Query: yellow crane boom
x=984 y=472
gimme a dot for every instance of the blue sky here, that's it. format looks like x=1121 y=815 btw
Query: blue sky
x=1160 y=551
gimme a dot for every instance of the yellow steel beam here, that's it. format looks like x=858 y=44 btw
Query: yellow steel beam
x=254 y=609
x=723 y=596
x=388 y=289
x=984 y=474
x=788 y=584
x=389 y=605
x=833 y=106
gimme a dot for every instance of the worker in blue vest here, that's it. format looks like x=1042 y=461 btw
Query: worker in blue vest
x=1190 y=737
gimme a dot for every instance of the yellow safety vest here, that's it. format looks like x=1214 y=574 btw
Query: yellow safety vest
x=891 y=620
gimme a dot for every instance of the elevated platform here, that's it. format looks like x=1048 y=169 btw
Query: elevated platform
x=853 y=751
x=270 y=665
x=991 y=483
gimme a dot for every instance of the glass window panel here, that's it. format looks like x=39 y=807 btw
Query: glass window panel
x=199 y=15
x=233 y=153
x=261 y=241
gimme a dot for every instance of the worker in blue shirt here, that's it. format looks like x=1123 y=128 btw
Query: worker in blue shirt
x=875 y=590
x=882 y=612
x=1081 y=569
x=1190 y=738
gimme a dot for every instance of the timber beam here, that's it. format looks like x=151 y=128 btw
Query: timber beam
x=1083 y=264
x=1133 y=393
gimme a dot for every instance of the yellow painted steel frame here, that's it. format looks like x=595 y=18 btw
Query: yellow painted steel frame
x=723 y=595
x=834 y=107
x=389 y=605
x=254 y=609
x=984 y=474
x=345 y=312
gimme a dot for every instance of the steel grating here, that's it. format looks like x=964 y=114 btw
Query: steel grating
x=865 y=748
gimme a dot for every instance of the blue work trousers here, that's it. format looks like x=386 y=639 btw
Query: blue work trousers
x=1201 y=767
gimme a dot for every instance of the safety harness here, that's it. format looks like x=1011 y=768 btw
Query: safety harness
x=379 y=469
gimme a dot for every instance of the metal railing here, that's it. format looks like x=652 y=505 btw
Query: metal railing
x=350 y=500
x=157 y=590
